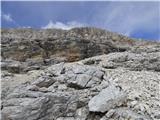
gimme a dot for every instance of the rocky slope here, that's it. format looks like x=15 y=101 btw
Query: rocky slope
x=33 y=49
x=80 y=74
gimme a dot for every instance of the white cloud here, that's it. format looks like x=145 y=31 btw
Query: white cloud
x=7 y=17
x=60 y=25
x=26 y=27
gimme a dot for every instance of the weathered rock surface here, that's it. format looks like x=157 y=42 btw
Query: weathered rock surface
x=38 y=84
x=52 y=46
x=76 y=91
x=123 y=114
x=107 y=99
x=10 y=81
x=59 y=91
x=128 y=60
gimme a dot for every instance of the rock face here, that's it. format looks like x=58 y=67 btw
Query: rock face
x=60 y=91
x=128 y=60
x=108 y=98
x=38 y=48
x=121 y=84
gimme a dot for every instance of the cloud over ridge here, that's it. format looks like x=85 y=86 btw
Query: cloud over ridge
x=61 y=25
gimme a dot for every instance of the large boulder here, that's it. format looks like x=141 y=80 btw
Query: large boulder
x=107 y=99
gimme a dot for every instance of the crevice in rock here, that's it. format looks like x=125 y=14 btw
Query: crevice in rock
x=75 y=86
x=63 y=71
x=88 y=82
x=92 y=62
x=93 y=115
x=109 y=67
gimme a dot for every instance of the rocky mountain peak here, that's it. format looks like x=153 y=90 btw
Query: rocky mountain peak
x=78 y=74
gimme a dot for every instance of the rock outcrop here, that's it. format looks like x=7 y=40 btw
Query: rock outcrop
x=127 y=60
x=107 y=99
x=58 y=92
x=120 y=82
x=38 y=48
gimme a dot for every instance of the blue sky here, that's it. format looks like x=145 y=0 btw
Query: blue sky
x=134 y=19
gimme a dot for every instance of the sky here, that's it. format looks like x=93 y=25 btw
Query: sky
x=134 y=19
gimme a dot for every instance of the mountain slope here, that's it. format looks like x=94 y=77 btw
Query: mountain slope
x=80 y=74
x=38 y=48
